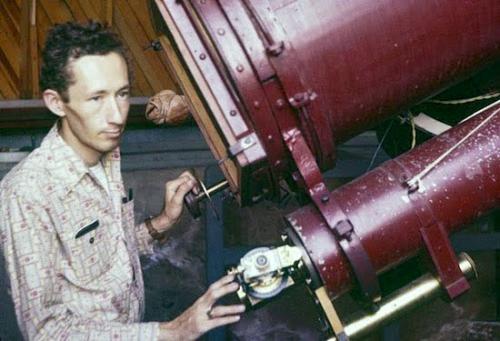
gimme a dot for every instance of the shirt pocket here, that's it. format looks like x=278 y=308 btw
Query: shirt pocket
x=91 y=251
x=128 y=214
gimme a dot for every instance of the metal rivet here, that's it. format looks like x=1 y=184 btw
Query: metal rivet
x=280 y=103
x=239 y=68
x=91 y=240
x=325 y=198
x=203 y=56
x=256 y=104
x=233 y=113
x=269 y=137
x=221 y=31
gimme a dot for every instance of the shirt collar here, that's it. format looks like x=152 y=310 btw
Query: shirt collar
x=66 y=166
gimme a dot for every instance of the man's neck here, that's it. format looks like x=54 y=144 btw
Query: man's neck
x=89 y=156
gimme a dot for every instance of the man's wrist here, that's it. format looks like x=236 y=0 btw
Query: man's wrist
x=154 y=232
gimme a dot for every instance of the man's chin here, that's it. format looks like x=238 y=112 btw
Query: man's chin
x=110 y=145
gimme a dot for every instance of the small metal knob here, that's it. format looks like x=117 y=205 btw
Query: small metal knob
x=192 y=200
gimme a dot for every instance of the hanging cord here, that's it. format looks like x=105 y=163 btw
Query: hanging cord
x=413 y=130
x=466 y=100
x=379 y=145
x=410 y=118
x=414 y=182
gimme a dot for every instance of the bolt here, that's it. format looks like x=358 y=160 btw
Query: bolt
x=233 y=113
x=270 y=137
x=221 y=31
x=203 y=56
x=256 y=104
x=298 y=97
x=325 y=198
x=239 y=68
x=280 y=103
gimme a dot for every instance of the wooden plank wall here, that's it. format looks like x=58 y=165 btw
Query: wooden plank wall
x=24 y=25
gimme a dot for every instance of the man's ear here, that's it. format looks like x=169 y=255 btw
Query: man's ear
x=54 y=102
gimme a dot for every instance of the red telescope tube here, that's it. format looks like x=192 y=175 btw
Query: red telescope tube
x=330 y=68
x=388 y=215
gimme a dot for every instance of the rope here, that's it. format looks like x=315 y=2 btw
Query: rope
x=166 y=107
x=414 y=182
x=465 y=100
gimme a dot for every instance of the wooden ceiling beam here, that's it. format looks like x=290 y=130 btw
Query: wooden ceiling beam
x=26 y=79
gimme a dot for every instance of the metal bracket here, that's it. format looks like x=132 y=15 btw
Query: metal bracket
x=275 y=49
x=333 y=215
x=434 y=236
x=243 y=144
x=443 y=257
x=301 y=99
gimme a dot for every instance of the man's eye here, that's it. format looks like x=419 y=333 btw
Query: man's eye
x=124 y=94
x=95 y=98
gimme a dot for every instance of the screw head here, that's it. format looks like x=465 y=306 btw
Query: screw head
x=261 y=261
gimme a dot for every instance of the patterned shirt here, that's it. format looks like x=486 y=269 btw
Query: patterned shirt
x=71 y=249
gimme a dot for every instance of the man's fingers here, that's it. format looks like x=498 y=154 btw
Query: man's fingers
x=190 y=175
x=215 y=294
x=172 y=187
x=221 y=321
x=222 y=281
x=223 y=310
x=182 y=190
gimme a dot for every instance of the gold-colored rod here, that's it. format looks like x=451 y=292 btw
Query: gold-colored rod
x=403 y=300
x=212 y=190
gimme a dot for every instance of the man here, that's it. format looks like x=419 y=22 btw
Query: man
x=67 y=228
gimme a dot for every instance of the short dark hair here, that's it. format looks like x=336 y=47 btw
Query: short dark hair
x=70 y=41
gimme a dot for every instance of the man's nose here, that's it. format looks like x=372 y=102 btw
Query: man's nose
x=115 y=112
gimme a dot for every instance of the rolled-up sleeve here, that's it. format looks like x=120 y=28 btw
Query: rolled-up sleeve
x=145 y=243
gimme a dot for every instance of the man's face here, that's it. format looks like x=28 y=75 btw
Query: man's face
x=98 y=105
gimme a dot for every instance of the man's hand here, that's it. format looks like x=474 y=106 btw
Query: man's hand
x=203 y=316
x=175 y=191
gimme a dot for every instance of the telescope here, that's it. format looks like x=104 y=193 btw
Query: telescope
x=275 y=86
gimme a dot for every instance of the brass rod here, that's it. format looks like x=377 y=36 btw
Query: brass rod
x=212 y=190
x=403 y=300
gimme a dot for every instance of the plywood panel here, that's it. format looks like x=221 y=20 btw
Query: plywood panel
x=10 y=48
x=57 y=11
x=131 y=19
x=8 y=88
x=9 y=17
x=76 y=10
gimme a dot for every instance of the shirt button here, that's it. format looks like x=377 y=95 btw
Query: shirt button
x=91 y=240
